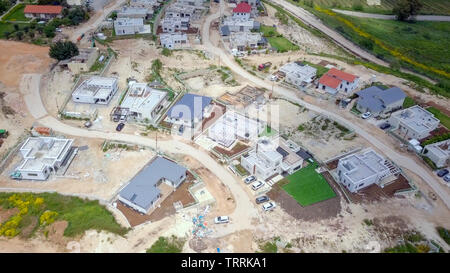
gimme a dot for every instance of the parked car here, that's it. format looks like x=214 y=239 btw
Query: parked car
x=120 y=126
x=366 y=115
x=264 y=66
x=221 y=219
x=249 y=179
x=442 y=172
x=385 y=126
x=181 y=129
x=257 y=185
x=262 y=199
x=116 y=118
x=447 y=178
x=123 y=118
x=273 y=78
x=269 y=206
x=88 y=124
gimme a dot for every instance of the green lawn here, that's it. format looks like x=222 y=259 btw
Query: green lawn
x=445 y=120
x=277 y=40
x=420 y=46
x=308 y=187
x=408 y=102
x=320 y=69
x=268 y=132
x=16 y=14
x=385 y=7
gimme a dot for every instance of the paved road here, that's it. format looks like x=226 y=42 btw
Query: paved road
x=94 y=21
x=245 y=209
x=401 y=160
x=438 y=18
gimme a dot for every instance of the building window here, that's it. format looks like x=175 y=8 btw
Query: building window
x=32 y=174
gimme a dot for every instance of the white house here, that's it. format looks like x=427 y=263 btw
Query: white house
x=233 y=125
x=298 y=74
x=130 y=26
x=438 y=152
x=271 y=157
x=43 y=156
x=230 y=25
x=174 y=40
x=243 y=41
x=175 y=24
x=150 y=4
x=135 y=12
x=176 y=10
x=335 y=81
x=358 y=171
x=144 y=103
x=414 y=122
x=95 y=90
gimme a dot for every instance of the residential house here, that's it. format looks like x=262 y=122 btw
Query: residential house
x=254 y=5
x=83 y=61
x=193 y=3
x=76 y=2
x=378 y=101
x=243 y=41
x=96 y=90
x=335 y=81
x=143 y=103
x=358 y=171
x=45 y=12
x=438 y=152
x=271 y=158
x=175 y=24
x=230 y=25
x=150 y=4
x=43 y=156
x=176 y=10
x=135 y=12
x=232 y=126
x=174 y=40
x=142 y=192
x=189 y=110
x=414 y=122
x=298 y=73
x=130 y=26
x=242 y=11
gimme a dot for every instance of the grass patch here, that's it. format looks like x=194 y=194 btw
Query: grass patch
x=408 y=102
x=268 y=132
x=430 y=162
x=435 y=139
x=269 y=247
x=445 y=120
x=277 y=40
x=16 y=14
x=444 y=233
x=81 y=214
x=241 y=170
x=308 y=187
x=320 y=69
x=167 y=245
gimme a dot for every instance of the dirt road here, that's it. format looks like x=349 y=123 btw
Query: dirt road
x=94 y=21
x=401 y=160
x=437 y=18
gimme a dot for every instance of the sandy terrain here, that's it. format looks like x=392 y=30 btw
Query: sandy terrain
x=20 y=59
x=92 y=172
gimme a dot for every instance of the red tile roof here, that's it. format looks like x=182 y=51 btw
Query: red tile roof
x=341 y=75
x=242 y=8
x=47 y=9
x=329 y=81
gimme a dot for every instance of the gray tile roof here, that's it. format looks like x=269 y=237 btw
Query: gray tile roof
x=190 y=106
x=375 y=99
x=142 y=189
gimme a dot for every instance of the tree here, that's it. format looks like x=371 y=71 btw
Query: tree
x=6 y=34
x=19 y=35
x=405 y=9
x=63 y=50
x=16 y=27
x=49 y=30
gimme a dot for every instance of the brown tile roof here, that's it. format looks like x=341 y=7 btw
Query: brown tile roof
x=46 y=9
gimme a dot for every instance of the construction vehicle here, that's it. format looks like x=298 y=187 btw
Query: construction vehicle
x=264 y=66
x=3 y=133
x=81 y=37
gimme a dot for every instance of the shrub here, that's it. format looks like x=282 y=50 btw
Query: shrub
x=63 y=50
x=167 y=245
x=444 y=233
